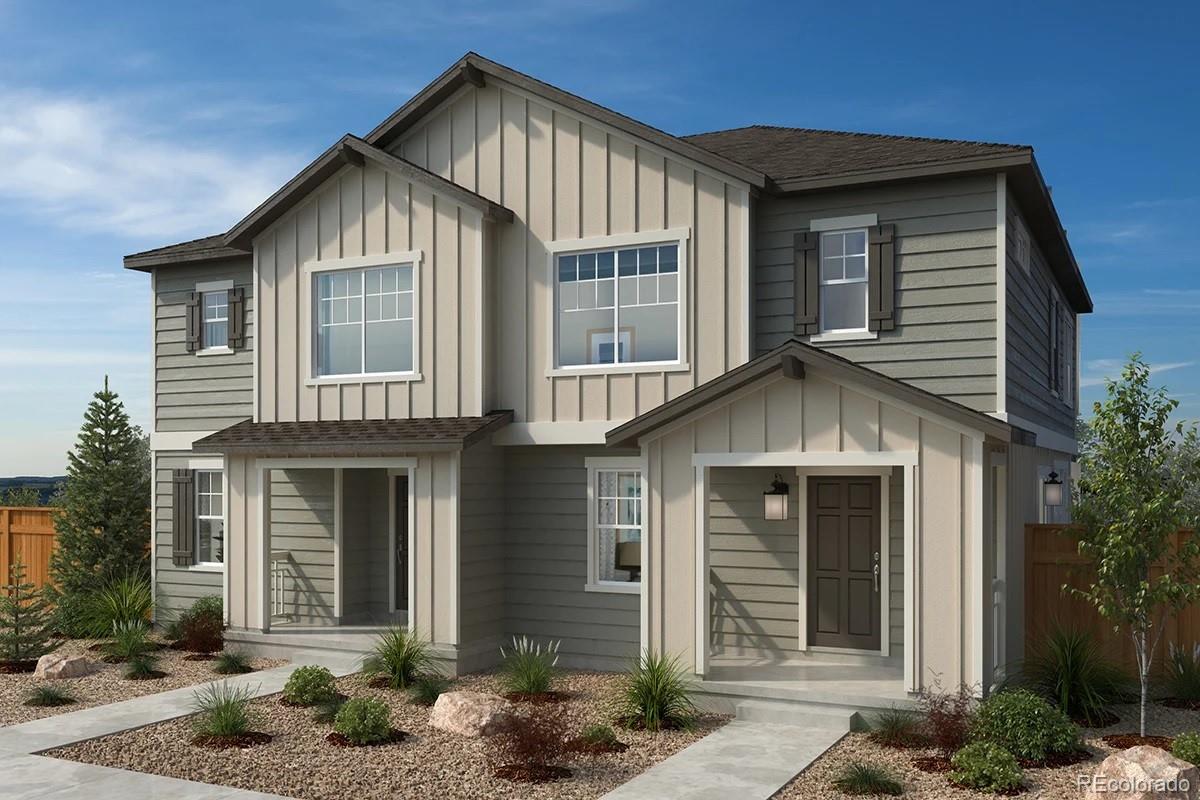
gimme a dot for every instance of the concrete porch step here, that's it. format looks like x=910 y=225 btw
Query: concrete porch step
x=729 y=693
x=804 y=715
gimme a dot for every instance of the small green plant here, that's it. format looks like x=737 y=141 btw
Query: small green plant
x=894 y=727
x=129 y=640
x=986 y=766
x=325 y=713
x=25 y=616
x=1181 y=680
x=120 y=602
x=655 y=694
x=868 y=779
x=224 y=710
x=1024 y=725
x=946 y=716
x=48 y=696
x=599 y=735
x=398 y=657
x=142 y=667
x=200 y=629
x=527 y=668
x=1186 y=747
x=231 y=662
x=309 y=686
x=364 y=720
x=427 y=688
x=1069 y=669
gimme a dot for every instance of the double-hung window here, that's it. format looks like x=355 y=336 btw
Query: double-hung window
x=210 y=517
x=615 y=524
x=619 y=305
x=214 y=331
x=364 y=321
x=843 y=281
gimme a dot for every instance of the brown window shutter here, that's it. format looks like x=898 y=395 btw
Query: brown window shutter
x=807 y=263
x=237 y=318
x=881 y=277
x=183 y=519
x=192 y=321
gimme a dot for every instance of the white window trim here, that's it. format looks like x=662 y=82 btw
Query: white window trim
x=564 y=246
x=211 y=566
x=310 y=269
x=844 y=334
x=595 y=465
x=214 y=465
x=201 y=288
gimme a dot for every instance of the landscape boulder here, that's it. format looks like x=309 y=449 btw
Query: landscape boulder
x=1142 y=773
x=56 y=665
x=472 y=714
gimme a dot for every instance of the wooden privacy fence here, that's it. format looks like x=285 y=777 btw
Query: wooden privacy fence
x=1051 y=560
x=27 y=533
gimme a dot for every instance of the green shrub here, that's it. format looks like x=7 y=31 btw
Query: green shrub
x=986 y=766
x=200 y=629
x=141 y=667
x=1025 y=725
x=364 y=720
x=399 y=656
x=48 y=696
x=599 y=735
x=1068 y=668
x=656 y=694
x=231 y=662
x=129 y=640
x=896 y=728
x=121 y=602
x=1181 y=680
x=309 y=686
x=1187 y=748
x=527 y=668
x=224 y=710
x=860 y=778
x=427 y=688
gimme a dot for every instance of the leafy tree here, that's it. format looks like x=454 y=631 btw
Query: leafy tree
x=1130 y=505
x=104 y=523
x=22 y=496
x=24 y=619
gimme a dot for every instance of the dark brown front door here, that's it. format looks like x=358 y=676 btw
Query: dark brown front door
x=844 y=568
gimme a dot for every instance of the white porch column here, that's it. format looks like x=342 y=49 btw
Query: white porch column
x=702 y=578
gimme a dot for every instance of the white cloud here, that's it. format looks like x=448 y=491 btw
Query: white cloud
x=93 y=165
x=1103 y=369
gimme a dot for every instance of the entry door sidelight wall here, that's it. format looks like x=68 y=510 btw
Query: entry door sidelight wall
x=845 y=570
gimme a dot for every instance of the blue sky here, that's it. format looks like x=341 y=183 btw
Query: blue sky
x=124 y=127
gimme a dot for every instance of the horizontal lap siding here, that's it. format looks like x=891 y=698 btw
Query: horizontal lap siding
x=545 y=560
x=175 y=588
x=302 y=523
x=565 y=177
x=481 y=544
x=1029 y=338
x=197 y=392
x=945 y=336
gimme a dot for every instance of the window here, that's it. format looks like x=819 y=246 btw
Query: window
x=615 y=524
x=210 y=517
x=214 y=332
x=618 y=306
x=843 y=281
x=1062 y=352
x=365 y=321
x=1022 y=254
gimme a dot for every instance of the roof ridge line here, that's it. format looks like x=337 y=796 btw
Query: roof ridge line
x=858 y=134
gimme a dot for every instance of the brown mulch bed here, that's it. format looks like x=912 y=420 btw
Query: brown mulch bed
x=934 y=765
x=1055 y=760
x=153 y=675
x=200 y=657
x=338 y=740
x=537 y=698
x=581 y=745
x=17 y=667
x=1107 y=720
x=1122 y=741
x=532 y=773
x=239 y=741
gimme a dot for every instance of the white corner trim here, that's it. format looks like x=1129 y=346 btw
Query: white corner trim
x=455 y=537
x=337 y=544
x=700 y=490
x=162 y=441
x=840 y=223
x=979 y=595
x=254 y=334
x=748 y=280
x=912 y=617
x=1001 y=293
x=518 y=433
x=154 y=526
x=844 y=336
x=214 y=286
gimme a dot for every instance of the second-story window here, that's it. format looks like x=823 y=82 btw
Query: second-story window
x=364 y=321
x=843 y=281
x=618 y=306
x=215 y=328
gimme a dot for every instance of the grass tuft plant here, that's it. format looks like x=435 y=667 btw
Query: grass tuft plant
x=894 y=727
x=48 y=696
x=1181 y=680
x=656 y=694
x=231 y=662
x=427 y=688
x=364 y=720
x=121 y=602
x=527 y=668
x=309 y=686
x=142 y=667
x=1069 y=669
x=129 y=640
x=598 y=734
x=858 y=778
x=398 y=657
x=224 y=710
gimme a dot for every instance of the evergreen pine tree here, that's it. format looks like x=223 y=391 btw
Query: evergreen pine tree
x=24 y=620
x=103 y=524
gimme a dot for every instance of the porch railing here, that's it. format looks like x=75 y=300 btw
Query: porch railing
x=281 y=577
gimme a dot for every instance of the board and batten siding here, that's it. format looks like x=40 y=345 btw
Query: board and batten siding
x=818 y=415
x=1028 y=332
x=370 y=211
x=199 y=392
x=545 y=561
x=302 y=524
x=569 y=177
x=945 y=335
x=175 y=588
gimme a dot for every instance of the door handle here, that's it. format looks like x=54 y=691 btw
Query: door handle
x=876 y=571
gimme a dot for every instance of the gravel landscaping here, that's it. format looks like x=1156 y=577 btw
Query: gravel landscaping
x=300 y=762
x=106 y=685
x=817 y=780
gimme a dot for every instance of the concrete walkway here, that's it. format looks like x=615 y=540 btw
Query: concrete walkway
x=743 y=760
x=27 y=775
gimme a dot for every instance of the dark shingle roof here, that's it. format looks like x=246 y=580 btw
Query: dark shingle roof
x=784 y=153
x=207 y=248
x=352 y=437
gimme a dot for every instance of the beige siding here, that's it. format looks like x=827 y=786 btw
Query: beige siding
x=302 y=524
x=566 y=177
x=199 y=392
x=175 y=588
x=945 y=336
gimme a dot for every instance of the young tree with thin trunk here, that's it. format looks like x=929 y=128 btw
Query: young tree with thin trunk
x=24 y=621
x=1130 y=505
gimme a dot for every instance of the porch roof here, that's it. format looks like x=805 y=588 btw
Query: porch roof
x=371 y=437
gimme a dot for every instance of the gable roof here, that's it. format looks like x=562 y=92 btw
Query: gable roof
x=792 y=356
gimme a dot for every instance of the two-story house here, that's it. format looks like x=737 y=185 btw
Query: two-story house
x=513 y=363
